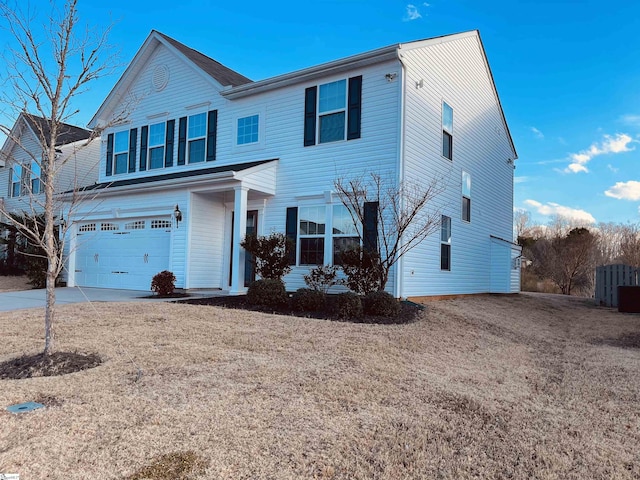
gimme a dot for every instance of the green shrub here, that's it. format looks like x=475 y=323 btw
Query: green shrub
x=380 y=303
x=268 y=292
x=308 y=300
x=163 y=283
x=322 y=278
x=270 y=254
x=347 y=306
x=362 y=269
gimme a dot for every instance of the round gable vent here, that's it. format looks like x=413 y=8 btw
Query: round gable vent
x=160 y=77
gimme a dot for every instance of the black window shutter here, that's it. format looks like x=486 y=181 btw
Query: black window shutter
x=292 y=233
x=168 y=148
x=182 y=140
x=109 y=169
x=370 y=230
x=310 y=95
x=144 y=142
x=133 y=140
x=355 y=104
x=212 y=133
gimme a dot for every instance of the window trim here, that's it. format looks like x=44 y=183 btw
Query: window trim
x=334 y=111
x=352 y=235
x=445 y=244
x=257 y=128
x=121 y=152
x=190 y=139
x=466 y=195
x=155 y=146
x=301 y=236
x=447 y=133
x=13 y=183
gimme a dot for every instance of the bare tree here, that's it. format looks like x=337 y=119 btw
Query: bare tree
x=48 y=68
x=404 y=215
x=630 y=245
x=522 y=222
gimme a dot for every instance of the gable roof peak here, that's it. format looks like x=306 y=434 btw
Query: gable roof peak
x=222 y=74
x=67 y=133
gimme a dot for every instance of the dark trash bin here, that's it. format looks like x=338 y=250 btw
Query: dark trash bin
x=629 y=299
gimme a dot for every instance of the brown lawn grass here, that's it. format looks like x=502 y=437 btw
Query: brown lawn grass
x=480 y=387
x=13 y=283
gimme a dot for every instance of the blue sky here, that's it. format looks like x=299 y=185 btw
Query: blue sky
x=567 y=73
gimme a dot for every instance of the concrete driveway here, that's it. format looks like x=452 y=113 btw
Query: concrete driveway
x=36 y=298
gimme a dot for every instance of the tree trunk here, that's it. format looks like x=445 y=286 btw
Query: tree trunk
x=52 y=254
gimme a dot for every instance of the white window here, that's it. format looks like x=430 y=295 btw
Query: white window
x=87 y=227
x=196 y=137
x=121 y=152
x=445 y=243
x=332 y=103
x=248 y=130
x=36 y=183
x=137 y=225
x=311 y=231
x=106 y=227
x=466 y=197
x=16 y=180
x=344 y=232
x=156 y=145
x=160 y=224
x=447 y=131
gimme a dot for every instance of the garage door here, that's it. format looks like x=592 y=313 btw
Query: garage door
x=122 y=254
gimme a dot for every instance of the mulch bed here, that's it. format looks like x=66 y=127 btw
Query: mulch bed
x=41 y=365
x=171 y=295
x=409 y=312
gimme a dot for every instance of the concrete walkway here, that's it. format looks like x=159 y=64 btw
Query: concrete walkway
x=64 y=295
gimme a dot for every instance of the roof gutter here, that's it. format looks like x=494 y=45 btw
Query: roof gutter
x=304 y=75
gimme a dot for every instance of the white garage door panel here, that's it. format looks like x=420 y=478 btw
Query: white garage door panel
x=124 y=258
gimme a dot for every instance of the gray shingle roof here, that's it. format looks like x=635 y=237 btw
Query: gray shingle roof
x=223 y=75
x=66 y=134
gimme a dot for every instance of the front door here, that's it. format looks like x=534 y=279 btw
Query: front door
x=249 y=265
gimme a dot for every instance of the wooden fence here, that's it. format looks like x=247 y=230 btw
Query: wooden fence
x=609 y=278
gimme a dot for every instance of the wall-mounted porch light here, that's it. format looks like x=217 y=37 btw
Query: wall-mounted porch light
x=177 y=214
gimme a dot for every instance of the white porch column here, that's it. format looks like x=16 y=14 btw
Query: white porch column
x=239 y=231
x=71 y=256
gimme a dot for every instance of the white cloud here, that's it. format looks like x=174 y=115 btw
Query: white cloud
x=612 y=168
x=517 y=180
x=631 y=119
x=412 y=13
x=551 y=208
x=537 y=133
x=624 y=190
x=618 y=144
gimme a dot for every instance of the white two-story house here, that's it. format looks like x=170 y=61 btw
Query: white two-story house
x=21 y=156
x=207 y=156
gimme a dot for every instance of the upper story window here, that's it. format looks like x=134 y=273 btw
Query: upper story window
x=333 y=111
x=196 y=137
x=248 y=130
x=466 y=197
x=15 y=186
x=36 y=174
x=447 y=131
x=345 y=234
x=121 y=152
x=445 y=243
x=156 y=145
x=332 y=100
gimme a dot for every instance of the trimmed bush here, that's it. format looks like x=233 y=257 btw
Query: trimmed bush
x=270 y=254
x=347 y=306
x=308 y=300
x=322 y=278
x=380 y=303
x=267 y=292
x=362 y=269
x=163 y=283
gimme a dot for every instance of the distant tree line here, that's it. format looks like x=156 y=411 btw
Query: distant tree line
x=561 y=256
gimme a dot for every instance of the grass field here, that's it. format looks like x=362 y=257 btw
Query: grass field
x=12 y=283
x=528 y=386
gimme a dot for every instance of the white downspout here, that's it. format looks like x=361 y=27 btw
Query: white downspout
x=398 y=284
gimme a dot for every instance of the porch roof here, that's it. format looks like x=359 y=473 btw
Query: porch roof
x=224 y=172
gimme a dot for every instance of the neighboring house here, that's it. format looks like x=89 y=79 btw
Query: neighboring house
x=21 y=188
x=208 y=155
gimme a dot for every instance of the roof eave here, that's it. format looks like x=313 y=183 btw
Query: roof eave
x=337 y=66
